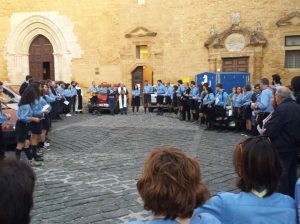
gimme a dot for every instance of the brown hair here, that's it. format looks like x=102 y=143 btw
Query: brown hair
x=171 y=184
x=257 y=164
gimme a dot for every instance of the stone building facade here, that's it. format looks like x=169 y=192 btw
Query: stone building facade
x=131 y=40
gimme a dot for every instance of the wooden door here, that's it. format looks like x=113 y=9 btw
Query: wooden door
x=41 y=60
x=235 y=64
x=137 y=77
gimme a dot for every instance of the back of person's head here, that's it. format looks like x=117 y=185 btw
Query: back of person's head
x=180 y=81
x=193 y=83
x=1 y=83
x=257 y=164
x=29 y=96
x=219 y=85
x=17 y=182
x=247 y=87
x=36 y=86
x=264 y=81
x=276 y=79
x=175 y=87
x=171 y=184
x=295 y=83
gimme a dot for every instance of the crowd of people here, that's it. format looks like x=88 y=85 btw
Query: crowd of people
x=41 y=103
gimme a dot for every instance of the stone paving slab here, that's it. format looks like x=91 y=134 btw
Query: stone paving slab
x=90 y=173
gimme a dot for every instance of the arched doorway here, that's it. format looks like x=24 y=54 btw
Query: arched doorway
x=140 y=74
x=41 y=60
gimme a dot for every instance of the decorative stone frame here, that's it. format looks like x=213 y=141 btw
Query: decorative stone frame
x=56 y=28
x=254 y=43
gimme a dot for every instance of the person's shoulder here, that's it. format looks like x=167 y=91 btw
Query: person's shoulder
x=200 y=217
x=283 y=200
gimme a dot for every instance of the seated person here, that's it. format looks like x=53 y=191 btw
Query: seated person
x=258 y=168
x=172 y=189
x=17 y=182
x=93 y=90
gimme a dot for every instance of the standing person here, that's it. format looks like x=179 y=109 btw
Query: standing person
x=25 y=117
x=54 y=114
x=136 y=98
x=175 y=100
x=193 y=100
x=263 y=103
x=147 y=91
x=237 y=104
x=161 y=91
x=93 y=90
x=186 y=109
x=295 y=84
x=78 y=104
x=276 y=83
x=283 y=129
x=174 y=180
x=258 y=170
x=230 y=96
x=221 y=103
x=209 y=107
x=201 y=96
x=122 y=91
x=246 y=111
x=67 y=94
x=168 y=95
x=181 y=90
x=25 y=84
x=74 y=96
x=111 y=99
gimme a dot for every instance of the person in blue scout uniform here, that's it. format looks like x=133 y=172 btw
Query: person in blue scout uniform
x=246 y=111
x=74 y=95
x=147 y=91
x=237 y=104
x=263 y=103
x=209 y=107
x=174 y=180
x=161 y=91
x=186 y=110
x=180 y=91
x=93 y=90
x=200 y=97
x=193 y=100
x=25 y=117
x=36 y=127
x=111 y=92
x=67 y=93
x=175 y=100
x=136 y=98
x=220 y=104
x=168 y=96
x=258 y=168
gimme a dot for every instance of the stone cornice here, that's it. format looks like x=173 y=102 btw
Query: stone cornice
x=140 y=32
x=286 y=20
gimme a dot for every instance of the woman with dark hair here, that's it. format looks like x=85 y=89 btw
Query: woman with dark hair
x=246 y=110
x=186 y=109
x=258 y=168
x=171 y=188
x=78 y=104
x=67 y=93
x=295 y=83
x=209 y=107
x=25 y=117
x=201 y=95
x=175 y=97
x=136 y=99
x=237 y=104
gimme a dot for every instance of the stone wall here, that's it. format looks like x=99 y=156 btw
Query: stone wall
x=182 y=27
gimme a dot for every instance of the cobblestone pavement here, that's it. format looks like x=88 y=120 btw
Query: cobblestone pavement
x=89 y=175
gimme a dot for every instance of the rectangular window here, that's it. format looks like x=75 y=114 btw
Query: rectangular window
x=292 y=59
x=141 y=51
x=292 y=41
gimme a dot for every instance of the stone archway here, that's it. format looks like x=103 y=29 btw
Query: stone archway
x=25 y=27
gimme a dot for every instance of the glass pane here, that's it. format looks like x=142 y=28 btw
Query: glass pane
x=292 y=41
x=292 y=59
x=143 y=51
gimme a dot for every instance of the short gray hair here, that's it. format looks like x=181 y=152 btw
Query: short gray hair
x=282 y=93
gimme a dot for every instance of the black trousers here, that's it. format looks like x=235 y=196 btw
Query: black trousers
x=2 y=154
x=289 y=173
x=186 y=111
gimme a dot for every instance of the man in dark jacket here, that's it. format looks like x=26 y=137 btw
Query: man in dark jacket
x=25 y=84
x=295 y=83
x=283 y=129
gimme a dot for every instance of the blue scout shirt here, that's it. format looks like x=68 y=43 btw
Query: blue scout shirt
x=136 y=93
x=264 y=101
x=246 y=99
x=24 y=113
x=67 y=92
x=73 y=90
x=50 y=98
x=37 y=107
x=59 y=90
x=247 y=208
x=161 y=89
x=170 y=91
x=209 y=98
x=148 y=89
x=194 y=92
x=1 y=115
x=237 y=100
x=198 y=218
x=92 y=88
x=221 y=98
x=181 y=88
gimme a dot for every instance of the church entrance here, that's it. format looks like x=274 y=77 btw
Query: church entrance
x=140 y=74
x=235 y=64
x=41 y=59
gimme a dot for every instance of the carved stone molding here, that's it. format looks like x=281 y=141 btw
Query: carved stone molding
x=252 y=38
x=140 y=32
x=288 y=19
